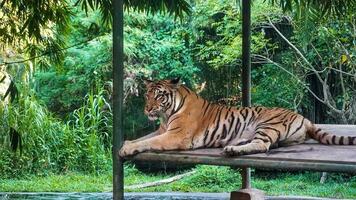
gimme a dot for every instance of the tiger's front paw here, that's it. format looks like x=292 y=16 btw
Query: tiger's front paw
x=232 y=151
x=128 y=149
x=126 y=142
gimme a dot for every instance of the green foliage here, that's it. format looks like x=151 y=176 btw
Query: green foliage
x=87 y=147
x=271 y=88
x=152 y=44
x=206 y=47
x=222 y=179
x=172 y=7
x=34 y=29
x=212 y=178
x=85 y=68
x=156 y=47
x=40 y=27
x=205 y=179
x=50 y=145
x=276 y=183
x=68 y=182
x=37 y=128
x=26 y=20
x=217 y=43
x=306 y=184
x=329 y=48
x=319 y=8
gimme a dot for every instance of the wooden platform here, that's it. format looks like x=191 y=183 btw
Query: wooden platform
x=309 y=156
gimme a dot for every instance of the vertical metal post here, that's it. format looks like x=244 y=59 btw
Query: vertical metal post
x=246 y=59
x=246 y=73
x=118 y=75
x=246 y=178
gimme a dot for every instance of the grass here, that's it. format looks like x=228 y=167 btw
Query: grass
x=70 y=182
x=206 y=179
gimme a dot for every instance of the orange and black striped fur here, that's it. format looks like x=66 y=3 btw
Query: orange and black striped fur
x=190 y=122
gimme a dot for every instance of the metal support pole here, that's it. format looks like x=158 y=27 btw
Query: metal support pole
x=246 y=178
x=246 y=73
x=246 y=59
x=118 y=75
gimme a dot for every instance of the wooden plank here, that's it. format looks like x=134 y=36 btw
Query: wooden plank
x=302 y=152
x=316 y=157
x=254 y=163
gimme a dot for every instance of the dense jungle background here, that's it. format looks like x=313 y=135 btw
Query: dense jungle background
x=59 y=117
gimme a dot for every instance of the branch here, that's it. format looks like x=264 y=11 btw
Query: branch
x=344 y=94
x=330 y=67
x=301 y=82
x=290 y=73
x=295 y=49
x=326 y=100
x=160 y=182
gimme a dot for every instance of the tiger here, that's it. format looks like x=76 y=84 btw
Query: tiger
x=188 y=122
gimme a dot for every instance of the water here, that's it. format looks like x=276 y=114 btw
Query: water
x=108 y=196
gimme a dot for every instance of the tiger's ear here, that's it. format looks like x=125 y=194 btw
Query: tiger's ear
x=175 y=82
x=147 y=82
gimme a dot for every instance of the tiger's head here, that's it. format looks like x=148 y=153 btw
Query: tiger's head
x=159 y=96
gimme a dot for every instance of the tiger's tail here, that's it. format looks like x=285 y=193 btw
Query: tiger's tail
x=328 y=138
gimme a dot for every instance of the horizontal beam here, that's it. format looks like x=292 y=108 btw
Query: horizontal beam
x=247 y=162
